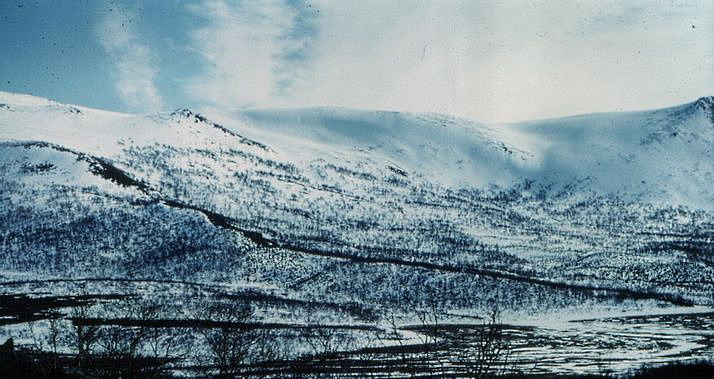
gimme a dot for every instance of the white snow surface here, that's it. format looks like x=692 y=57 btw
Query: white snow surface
x=662 y=156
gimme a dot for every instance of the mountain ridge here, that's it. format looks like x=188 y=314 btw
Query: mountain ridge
x=365 y=207
x=640 y=153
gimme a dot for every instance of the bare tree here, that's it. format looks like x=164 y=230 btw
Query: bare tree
x=479 y=352
x=45 y=348
x=120 y=350
x=431 y=335
x=166 y=346
x=137 y=348
x=325 y=341
x=54 y=338
x=484 y=353
x=232 y=342
x=405 y=358
x=82 y=337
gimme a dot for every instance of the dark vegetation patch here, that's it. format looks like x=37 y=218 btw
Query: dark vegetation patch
x=698 y=247
x=222 y=222
x=349 y=172
x=20 y=308
x=18 y=302
x=24 y=363
x=618 y=292
x=397 y=171
x=98 y=166
x=108 y=171
x=211 y=324
x=73 y=110
x=352 y=308
x=101 y=167
x=690 y=370
x=38 y=168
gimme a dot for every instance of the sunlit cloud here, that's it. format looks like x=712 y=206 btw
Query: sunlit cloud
x=134 y=64
x=488 y=61
x=255 y=51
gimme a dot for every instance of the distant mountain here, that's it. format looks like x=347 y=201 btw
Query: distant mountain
x=663 y=155
x=366 y=207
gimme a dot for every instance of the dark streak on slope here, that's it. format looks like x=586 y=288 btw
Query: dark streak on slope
x=200 y=323
x=197 y=117
x=397 y=171
x=110 y=172
x=251 y=295
x=624 y=292
x=221 y=221
x=20 y=308
x=97 y=166
x=15 y=283
x=104 y=169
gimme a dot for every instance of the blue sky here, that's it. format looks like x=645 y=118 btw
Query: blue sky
x=486 y=60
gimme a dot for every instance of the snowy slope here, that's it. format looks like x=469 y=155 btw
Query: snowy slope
x=426 y=205
x=664 y=155
x=444 y=149
x=25 y=118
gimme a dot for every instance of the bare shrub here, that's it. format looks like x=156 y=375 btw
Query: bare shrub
x=485 y=352
x=82 y=338
x=233 y=342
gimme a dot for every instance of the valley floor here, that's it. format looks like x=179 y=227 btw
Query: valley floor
x=427 y=344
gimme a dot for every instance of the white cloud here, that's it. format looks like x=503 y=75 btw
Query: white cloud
x=490 y=61
x=251 y=49
x=134 y=63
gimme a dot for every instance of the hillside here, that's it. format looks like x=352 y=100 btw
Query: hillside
x=368 y=209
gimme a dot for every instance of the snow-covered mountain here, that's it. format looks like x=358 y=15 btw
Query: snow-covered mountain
x=365 y=207
x=663 y=155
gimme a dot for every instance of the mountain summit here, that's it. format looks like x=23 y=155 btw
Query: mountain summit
x=662 y=156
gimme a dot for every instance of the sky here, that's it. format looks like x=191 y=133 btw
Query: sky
x=491 y=61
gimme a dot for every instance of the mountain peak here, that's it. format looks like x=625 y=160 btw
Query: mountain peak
x=187 y=113
x=706 y=104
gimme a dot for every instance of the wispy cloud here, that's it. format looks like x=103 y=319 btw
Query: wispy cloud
x=135 y=65
x=490 y=61
x=255 y=51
